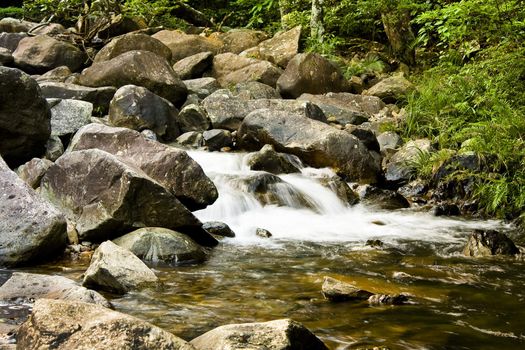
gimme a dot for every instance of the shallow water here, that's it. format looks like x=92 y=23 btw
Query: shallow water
x=456 y=302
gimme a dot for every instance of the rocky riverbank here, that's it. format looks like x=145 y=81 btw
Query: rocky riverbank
x=94 y=162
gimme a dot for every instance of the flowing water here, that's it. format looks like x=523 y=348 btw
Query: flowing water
x=456 y=302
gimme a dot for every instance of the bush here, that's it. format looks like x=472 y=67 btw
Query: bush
x=14 y=12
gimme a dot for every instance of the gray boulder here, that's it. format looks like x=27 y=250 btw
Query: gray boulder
x=193 y=66
x=216 y=139
x=41 y=53
x=267 y=159
x=487 y=243
x=202 y=87
x=116 y=269
x=254 y=90
x=282 y=334
x=105 y=196
x=398 y=169
x=381 y=198
x=65 y=325
x=169 y=166
x=193 y=118
x=100 y=97
x=67 y=116
x=392 y=89
x=191 y=139
x=183 y=45
x=335 y=290
x=389 y=140
x=24 y=117
x=278 y=50
x=141 y=68
x=10 y=40
x=310 y=73
x=230 y=69
x=129 y=42
x=54 y=148
x=137 y=108
x=31 y=229
x=159 y=245
x=16 y=290
x=365 y=135
x=218 y=228
x=314 y=142
x=33 y=171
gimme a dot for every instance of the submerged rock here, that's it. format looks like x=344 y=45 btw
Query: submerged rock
x=487 y=243
x=117 y=270
x=218 y=228
x=335 y=290
x=282 y=334
x=262 y=232
x=388 y=299
x=66 y=325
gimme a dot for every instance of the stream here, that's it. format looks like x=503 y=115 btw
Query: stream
x=456 y=302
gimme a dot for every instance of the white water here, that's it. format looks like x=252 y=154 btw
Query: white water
x=328 y=219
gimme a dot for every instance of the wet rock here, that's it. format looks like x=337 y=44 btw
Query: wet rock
x=183 y=45
x=216 y=139
x=105 y=196
x=31 y=229
x=282 y=334
x=202 y=87
x=227 y=111
x=230 y=69
x=116 y=269
x=314 y=142
x=141 y=68
x=365 y=135
x=67 y=116
x=279 y=50
x=16 y=290
x=169 y=166
x=381 y=198
x=445 y=209
x=389 y=140
x=10 y=41
x=159 y=245
x=374 y=243
x=490 y=242
x=388 y=299
x=193 y=66
x=310 y=73
x=130 y=42
x=254 y=90
x=238 y=40
x=392 y=89
x=6 y=57
x=218 y=228
x=99 y=97
x=335 y=290
x=193 y=118
x=263 y=233
x=398 y=171
x=341 y=189
x=192 y=139
x=42 y=53
x=33 y=171
x=64 y=325
x=137 y=108
x=346 y=108
x=54 y=148
x=24 y=117
x=273 y=162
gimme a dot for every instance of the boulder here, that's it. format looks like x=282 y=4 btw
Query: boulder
x=100 y=97
x=445 y=209
x=284 y=334
x=31 y=229
x=254 y=90
x=58 y=75
x=314 y=142
x=42 y=53
x=392 y=89
x=335 y=290
x=14 y=25
x=141 y=68
x=278 y=50
x=389 y=140
x=33 y=171
x=65 y=325
x=218 y=228
x=227 y=111
x=6 y=57
x=10 y=40
x=216 y=139
x=310 y=73
x=490 y=242
x=193 y=66
x=202 y=87
x=341 y=189
x=183 y=45
x=398 y=171
x=54 y=148
x=105 y=196
x=381 y=198
x=263 y=233
x=365 y=135
x=193 y=118
x=346 y=108
x=191 y=139
x=137 y=108
x=67 y=116
x=159 y=245
x=238 y=40
x=24 y=117
x=230 y=69
x=169 y=166
x=16 y=290
x=267 y=159
x=130 y=42
x=116 y=269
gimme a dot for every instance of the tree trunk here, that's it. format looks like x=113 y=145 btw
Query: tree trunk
x=400 y=35
x=317 y=20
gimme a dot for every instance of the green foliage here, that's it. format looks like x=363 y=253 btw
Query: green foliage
x=370 y=64
x=14 y=12
x=63 y=11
